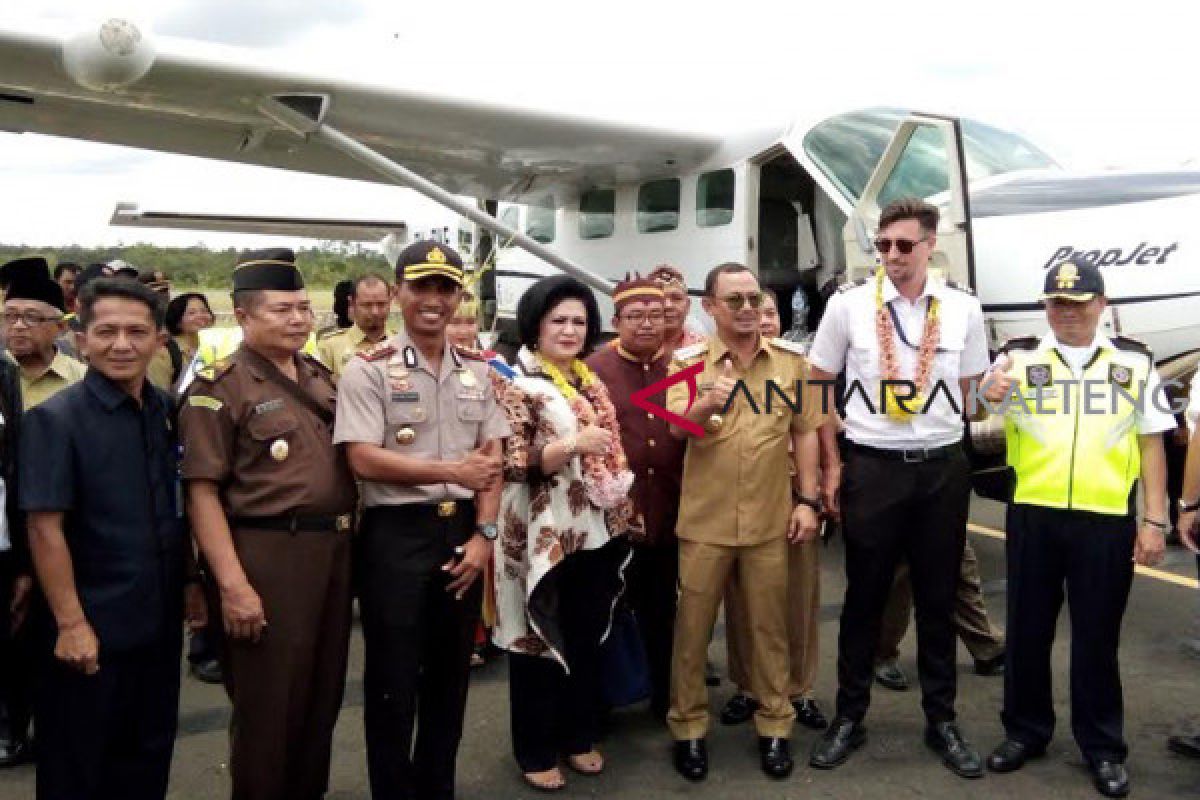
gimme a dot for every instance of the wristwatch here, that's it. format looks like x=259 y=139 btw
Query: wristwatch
x=807 y=501
x=487 y=530
x=1187 y=507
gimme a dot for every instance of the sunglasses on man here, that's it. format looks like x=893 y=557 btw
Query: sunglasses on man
x=905 y=246
x=736 y=302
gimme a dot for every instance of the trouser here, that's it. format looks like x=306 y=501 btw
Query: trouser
x=762 y=574
x=554 y=711
x=893 y=510
x=651 y=589
x=1092 y=555
x=803 y=609
x=108 y=736
x=418 y=640
x=17 y=658
x=286 y=689
x=983 y=639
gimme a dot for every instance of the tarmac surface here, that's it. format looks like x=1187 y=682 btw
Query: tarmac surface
x=1158 y=673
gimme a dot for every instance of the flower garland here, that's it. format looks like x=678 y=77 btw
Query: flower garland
x=607 y=477
x=889 y=365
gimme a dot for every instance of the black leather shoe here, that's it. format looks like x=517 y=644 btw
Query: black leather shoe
x=1185 y=745
x=776 y=756
x=712 y=675
x=14 y=752
x=889 y=675
x=740 y=708
x=207 y=671
x=691 y=759
x=808 y=714
x=990 y=667
x=1109 y=778
x=841 y=738
x=947 y=741
x=1010 y=755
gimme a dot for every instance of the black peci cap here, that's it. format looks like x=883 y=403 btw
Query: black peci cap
x=33 y=267
x=45 y=289
x=273 y=269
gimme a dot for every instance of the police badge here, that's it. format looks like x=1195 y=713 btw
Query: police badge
x=1120 y=374
x=1037 y=375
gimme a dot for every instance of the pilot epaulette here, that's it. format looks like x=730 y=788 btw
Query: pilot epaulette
x=691 y=351
x=379 y=351
x=845 y=287
x=211 y=373
x=1020 y=343
x=789 y=346
x=961 y=288
x=1132 y=346
x=470 y=353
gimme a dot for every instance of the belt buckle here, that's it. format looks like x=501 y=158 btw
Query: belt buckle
x=446 y=508
x=918 y=455
x=343 y=522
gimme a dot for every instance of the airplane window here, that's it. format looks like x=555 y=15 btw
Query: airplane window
x=539 y=225
x=597 y=213
x=921 y=170
x=848 y=147
x=464 y=242
x=658 y=206
x=510 y=217
x=714 y=198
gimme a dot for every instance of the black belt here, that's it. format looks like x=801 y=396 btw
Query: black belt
x=445 y=509
x=294 y=523
x=909 y=456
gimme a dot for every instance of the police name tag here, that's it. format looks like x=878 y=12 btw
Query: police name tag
x=405 y=397
x=474 y=396
x=269 y=405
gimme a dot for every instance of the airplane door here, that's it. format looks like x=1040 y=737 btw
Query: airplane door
x=924 y=159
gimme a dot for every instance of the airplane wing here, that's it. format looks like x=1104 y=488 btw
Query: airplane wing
x=118 y=85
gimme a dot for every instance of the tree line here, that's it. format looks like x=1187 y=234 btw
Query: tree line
x=204 y=268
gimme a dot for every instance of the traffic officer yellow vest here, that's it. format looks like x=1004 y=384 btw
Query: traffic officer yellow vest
x=1073 y=439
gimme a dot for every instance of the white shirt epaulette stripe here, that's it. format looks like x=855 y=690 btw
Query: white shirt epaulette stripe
x=691 y=351
x=790 y=346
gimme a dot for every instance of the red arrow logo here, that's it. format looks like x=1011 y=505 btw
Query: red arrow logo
x=639 y=398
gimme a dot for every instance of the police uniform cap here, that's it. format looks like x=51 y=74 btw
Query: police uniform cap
x=1074 y=279
x=32 y=267
x=271 y=269
x=36 y=287
x=426 y=258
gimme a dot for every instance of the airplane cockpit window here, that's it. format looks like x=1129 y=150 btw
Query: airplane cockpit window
x=510 y=217
x=539 y=224
x=714 y=198
x=848 y=147
x=658 y=206
x=464 y=241
x=597 y=213
x=921 y=170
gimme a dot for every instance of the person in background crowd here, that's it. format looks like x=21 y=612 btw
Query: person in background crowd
x=187 y=315
x=564 y=516
x=67 y=274
x=803 y=604
x=678 y=304
x=736 y=513
x=463 y=329
x=370 y=303
x=16 y=585
x=656 y=459
x=1071 y=523
x=33 y=323
x=167 y=364
x=97 y=480
x=271 y=504
x=343 y=314
x=421 y=428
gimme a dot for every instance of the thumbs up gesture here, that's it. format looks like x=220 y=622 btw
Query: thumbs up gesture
x=718 y=394
x=998 y=383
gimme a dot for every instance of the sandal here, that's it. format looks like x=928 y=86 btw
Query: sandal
x=549 y=781
x=589 y=763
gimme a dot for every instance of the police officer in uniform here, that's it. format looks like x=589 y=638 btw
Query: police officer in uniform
x=271 y=503
x=1077 y=444
x=370 y=302
x=421 y=427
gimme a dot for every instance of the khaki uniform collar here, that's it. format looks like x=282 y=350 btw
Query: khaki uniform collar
x=717 y=349
x=413 y=358
x=628 y=356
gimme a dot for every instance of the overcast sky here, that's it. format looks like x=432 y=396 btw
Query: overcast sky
x=1098 y=90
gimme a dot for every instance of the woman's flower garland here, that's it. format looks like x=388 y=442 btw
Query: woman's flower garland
x=607 y=477
x=889 y=365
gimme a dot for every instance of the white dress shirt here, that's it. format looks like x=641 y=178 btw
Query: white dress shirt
x=846 y=339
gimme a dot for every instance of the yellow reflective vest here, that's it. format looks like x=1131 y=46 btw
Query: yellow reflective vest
x=1073 y=440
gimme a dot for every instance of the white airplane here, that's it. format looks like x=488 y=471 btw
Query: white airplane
x=596 y=198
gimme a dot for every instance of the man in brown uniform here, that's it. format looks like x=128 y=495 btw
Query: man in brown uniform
x=271 y=504
x=422 y=430
x=656 y=458
x=736 y=511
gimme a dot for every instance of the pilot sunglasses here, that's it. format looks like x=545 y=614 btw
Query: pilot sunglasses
x=905 y=246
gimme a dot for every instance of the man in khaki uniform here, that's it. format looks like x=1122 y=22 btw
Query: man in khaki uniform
x=370 y=303
x=33 y=320
x=736 y=511
x=271 y=503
